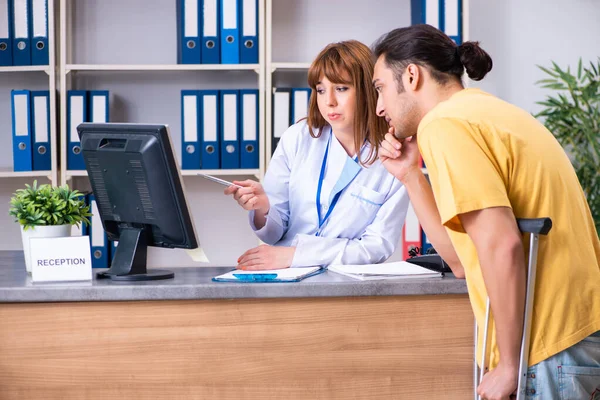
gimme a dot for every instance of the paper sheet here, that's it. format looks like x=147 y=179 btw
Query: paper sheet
x=395 y=270
x=197 y=254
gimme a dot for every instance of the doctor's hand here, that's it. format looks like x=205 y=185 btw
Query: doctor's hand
x=266 y=257
x=251 y=196
x=499 y=384
x=399 y=157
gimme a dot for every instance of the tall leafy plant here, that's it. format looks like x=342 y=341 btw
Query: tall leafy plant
x=572 y=114
x=48 y=205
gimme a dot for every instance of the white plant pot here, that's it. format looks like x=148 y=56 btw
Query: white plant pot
x=41 y=231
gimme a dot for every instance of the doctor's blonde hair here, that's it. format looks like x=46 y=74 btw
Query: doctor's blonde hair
x=349 y=62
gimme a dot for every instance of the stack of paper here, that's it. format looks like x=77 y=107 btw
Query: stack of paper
x=272 y=275
x=395 y=270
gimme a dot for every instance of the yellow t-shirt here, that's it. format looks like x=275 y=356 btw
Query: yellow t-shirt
x=482 y=152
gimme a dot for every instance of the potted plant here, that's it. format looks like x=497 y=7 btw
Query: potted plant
x=573 y=116
x=47 y=211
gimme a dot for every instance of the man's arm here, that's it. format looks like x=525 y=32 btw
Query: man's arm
x=500 y=251
x=423 y=202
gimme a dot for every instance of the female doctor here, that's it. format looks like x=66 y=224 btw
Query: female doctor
x=326 y=198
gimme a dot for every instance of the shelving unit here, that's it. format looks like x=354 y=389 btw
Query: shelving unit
x=27 y=77
x=71 y=69
x=190 y=172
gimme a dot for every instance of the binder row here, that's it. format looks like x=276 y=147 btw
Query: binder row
x=30 y=112
x=102 y=249
x=219 y=129
x=23 y=32
x=290 y=105
x=217 y=31
x=83 y=106
x=446 y=15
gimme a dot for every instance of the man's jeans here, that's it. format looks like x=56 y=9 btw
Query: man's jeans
x=572 y=374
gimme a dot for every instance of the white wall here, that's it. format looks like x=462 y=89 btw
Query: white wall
x=518 y=34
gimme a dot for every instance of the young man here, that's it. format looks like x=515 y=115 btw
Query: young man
x=489 y=163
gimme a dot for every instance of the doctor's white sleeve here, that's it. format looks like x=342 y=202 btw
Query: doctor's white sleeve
x=276 y=185
x=377 y=243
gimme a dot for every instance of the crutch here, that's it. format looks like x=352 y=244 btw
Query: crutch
x=535 y=227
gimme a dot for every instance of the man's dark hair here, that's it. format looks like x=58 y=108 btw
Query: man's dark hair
x=429 y=47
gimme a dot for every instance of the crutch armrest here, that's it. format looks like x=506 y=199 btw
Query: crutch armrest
x=540 y=226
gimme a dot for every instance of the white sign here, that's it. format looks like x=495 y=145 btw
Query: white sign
x=60 y=259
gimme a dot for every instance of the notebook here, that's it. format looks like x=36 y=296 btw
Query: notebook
x=394 y=270
x=273 y=275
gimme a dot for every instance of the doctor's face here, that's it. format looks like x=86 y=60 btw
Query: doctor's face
x=337 y=104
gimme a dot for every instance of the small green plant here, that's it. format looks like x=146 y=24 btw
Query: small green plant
x=48 y=205
x=573 y=116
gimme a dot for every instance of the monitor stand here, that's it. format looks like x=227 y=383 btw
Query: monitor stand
x=129 y=262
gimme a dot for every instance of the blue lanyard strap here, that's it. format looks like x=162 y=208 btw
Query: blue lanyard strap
x=320 y=186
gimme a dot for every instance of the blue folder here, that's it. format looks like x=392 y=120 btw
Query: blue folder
x=6 y=38
x=40 y=124
x=21 y=130
x=39 y=32
x=189 y=26
x=229 y=132
x=76 y=114
x=230 y=32
x=211 y=48
x=209 y=129
x=21 y=21
x=249 y=28
x=190 y=148
x=286 y=275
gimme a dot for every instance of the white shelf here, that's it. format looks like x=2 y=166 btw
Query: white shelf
x=222 y=172
x=290 y=66
x=26 y=68
x=7 y=173
x=190 y=172
x=161 y=67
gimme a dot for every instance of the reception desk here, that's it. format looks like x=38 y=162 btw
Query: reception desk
x=327 y=337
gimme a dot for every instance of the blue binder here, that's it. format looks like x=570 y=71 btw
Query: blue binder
x=249 y=129
x=189 y=22
x=299 y=104
x=98 y=108
x=190 y=149
x=76 y=114
x=425 y=243
x=230 y=33
x=451 y=19
x=40 y=123
x=229 y=133
x=98 y=238
x=249 y=28
x=21 y=130
x=21 y=39
x=211 y=49
x=209 y=129
x=39 y=32
x=6 y=29
x=426 y=12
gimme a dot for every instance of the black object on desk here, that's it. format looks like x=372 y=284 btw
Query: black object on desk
x=431 y=260
x=141 y=200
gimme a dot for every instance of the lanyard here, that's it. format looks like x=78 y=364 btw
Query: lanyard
x=320 y=186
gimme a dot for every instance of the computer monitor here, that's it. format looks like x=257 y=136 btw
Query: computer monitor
x=140 y=195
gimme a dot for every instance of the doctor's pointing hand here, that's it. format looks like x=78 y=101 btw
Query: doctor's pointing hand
x=252 y=197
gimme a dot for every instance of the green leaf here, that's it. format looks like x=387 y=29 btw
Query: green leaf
x=572 y=114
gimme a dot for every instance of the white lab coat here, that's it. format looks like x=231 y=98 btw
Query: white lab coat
x=364 y=227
